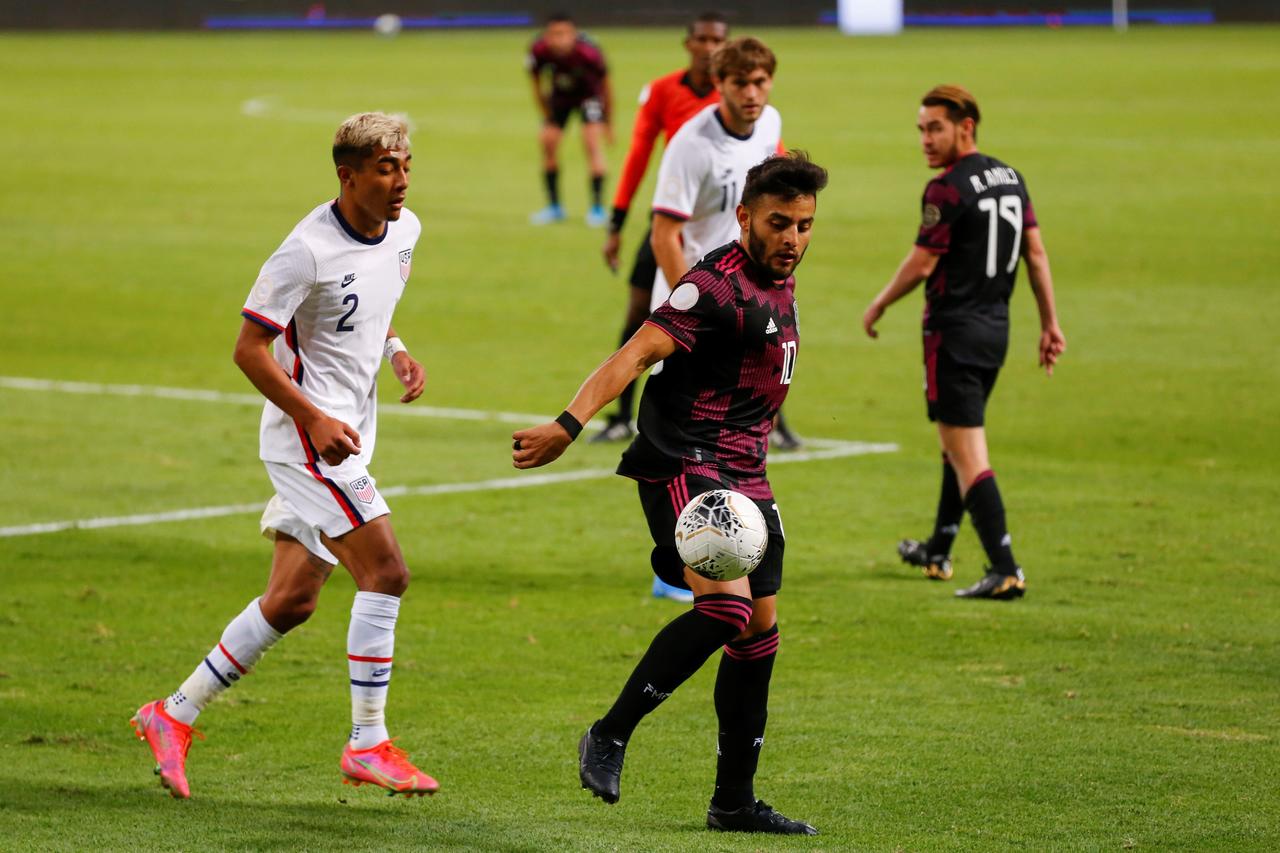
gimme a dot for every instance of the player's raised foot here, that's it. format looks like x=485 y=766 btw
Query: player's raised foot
x=170 y=740
x=935 y=566
x=1001 y=587
x=759 y=817
x=387 y=766
x=600 y=764
x=662 y=589
x=549 y=214
x=596 y=217
x=617 y=428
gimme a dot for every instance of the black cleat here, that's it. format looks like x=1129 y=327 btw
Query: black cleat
x=935 y=566
x=995 y=585
x=782 y=438
x=757 y=818
x=600 y=764
x=615 y=429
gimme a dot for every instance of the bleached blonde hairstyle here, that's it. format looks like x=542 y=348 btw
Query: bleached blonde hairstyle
x=359 y=136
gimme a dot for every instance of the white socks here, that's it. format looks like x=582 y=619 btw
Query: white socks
x=371 y=641
x=244 y=641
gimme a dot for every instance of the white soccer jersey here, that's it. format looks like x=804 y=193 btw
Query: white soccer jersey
x=330 y=292
x=703 y=170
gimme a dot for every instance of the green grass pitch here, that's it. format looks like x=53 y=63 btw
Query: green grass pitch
x=1130 y=701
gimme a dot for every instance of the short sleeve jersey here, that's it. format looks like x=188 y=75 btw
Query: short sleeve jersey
x=329 y=292
x=665 y=105
x=974 y=216
x=710 y=410
x=702 y=174
x=575 y=76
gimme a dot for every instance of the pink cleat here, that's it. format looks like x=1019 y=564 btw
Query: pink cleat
x=170 y=741
x=388 y=766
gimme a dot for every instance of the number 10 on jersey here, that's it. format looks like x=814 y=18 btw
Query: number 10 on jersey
x=788 y=360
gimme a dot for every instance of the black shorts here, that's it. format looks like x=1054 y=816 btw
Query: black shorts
x=662 y=503
x=956 y=394
x=645 y=268
x=591 y=108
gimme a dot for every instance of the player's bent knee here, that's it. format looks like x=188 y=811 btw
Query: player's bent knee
x=288 y=611
x=390 y=577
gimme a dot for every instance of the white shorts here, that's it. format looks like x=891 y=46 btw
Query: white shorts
x=314 y=498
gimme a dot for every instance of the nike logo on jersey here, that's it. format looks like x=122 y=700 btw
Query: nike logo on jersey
x=348 y=278
x=772 y=328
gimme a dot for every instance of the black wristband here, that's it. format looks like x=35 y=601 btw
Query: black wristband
x=617 y=219
x=570 y=424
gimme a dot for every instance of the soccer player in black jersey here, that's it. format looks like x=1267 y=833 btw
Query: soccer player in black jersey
x=728 y=336
x=976 y=223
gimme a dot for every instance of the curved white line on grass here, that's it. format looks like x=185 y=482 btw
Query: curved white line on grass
x=268 y=106
x=819 y=449
x=519 y=481
x=245 y=509
x=202 y=395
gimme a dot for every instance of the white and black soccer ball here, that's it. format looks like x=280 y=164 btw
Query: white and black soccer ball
x=721 y=535
x=388 y=25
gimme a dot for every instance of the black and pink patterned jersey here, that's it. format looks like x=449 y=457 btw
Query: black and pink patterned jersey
x=575 y=76
x=709 y=409
x=974 y=216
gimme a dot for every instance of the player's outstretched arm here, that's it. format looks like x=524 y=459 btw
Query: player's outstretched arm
x=410 y=372
x=915 y=268
x=542 y=444
x=334 y=440
x=1052 y=342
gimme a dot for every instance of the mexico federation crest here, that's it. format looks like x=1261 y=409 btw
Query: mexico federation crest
x=406 y=263
x=364 y=490
x=932 y=216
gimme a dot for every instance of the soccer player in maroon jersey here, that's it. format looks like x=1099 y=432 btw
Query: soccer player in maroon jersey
x=728 y=336
x=976 y=224
x=579 y=82
x=665 y=104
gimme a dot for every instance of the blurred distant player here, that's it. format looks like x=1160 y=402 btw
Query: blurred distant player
x=729 y=335
x=703 y=168
x=316 y=326
x=665 y=104
x=976 y=223
x=579 y=82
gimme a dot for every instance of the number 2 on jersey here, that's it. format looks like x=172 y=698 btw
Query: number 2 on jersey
x=1009 y=209
x=342 y=321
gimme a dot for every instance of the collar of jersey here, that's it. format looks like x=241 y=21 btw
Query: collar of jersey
x=687 y=81
x=737 y=136
x=353 y=233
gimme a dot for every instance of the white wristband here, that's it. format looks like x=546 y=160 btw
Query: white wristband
x=391 y=347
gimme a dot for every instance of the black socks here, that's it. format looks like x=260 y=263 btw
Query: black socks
x=742 y=706
x=950 y=512
x=986 y=509
x=676 y=653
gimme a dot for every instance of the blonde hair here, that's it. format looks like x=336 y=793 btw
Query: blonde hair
x=359 y=136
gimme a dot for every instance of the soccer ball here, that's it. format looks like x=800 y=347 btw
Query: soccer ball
x=721 y=535
x=387 y=25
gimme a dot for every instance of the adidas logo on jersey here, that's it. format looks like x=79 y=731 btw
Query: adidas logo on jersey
x=772 y=328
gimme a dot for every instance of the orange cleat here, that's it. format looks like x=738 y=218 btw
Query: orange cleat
x=387 y=766
x=170 y=741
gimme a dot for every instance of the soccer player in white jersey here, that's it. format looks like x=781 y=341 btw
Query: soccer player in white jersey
x=705 y=165
x=316 y=326
x=704 y=169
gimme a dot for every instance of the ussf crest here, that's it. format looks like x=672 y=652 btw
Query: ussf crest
x=406 y=263
x=363 y=489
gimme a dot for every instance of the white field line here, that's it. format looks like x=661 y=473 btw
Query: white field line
x=820 y=449
x=202 y=395
x=269 y=106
